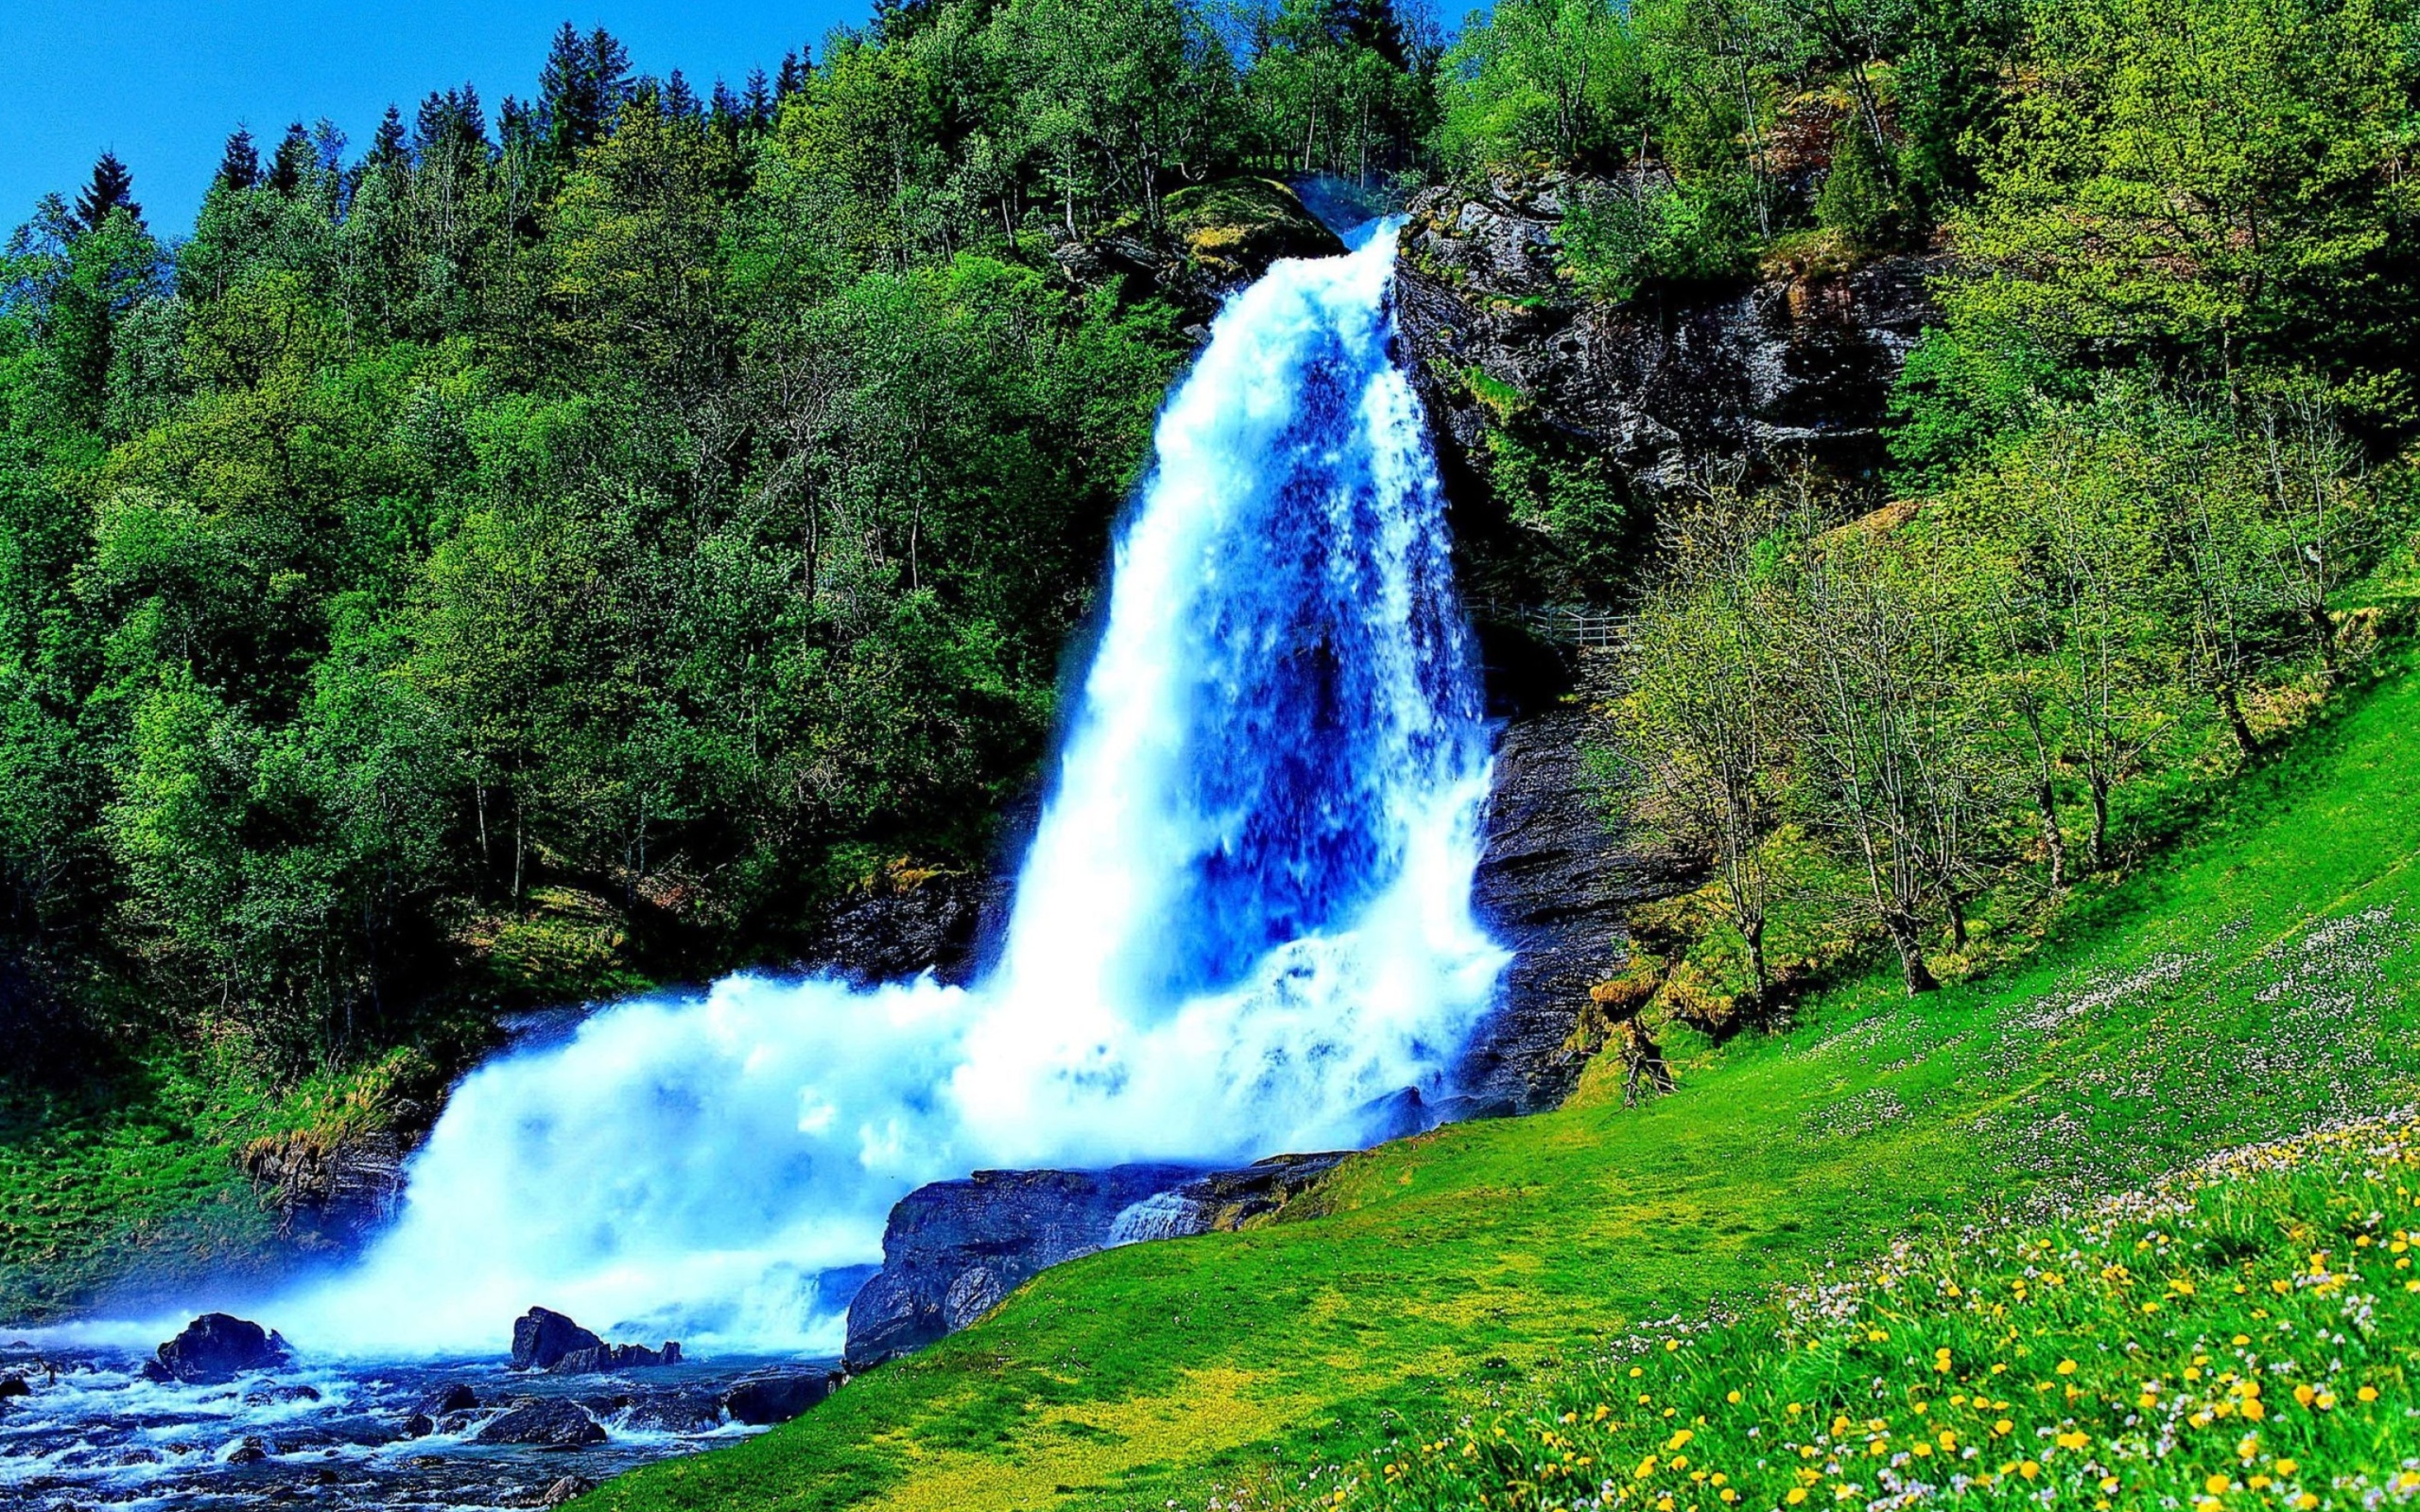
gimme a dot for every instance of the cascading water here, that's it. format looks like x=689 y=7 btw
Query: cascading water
x=1245 y=914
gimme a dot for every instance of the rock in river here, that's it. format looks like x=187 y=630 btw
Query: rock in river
x=215 y=1347
x=547 y=1424
x=603 y=1357
x=542 y=1337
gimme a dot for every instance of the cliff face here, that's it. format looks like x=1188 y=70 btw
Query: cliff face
x=1795 y=364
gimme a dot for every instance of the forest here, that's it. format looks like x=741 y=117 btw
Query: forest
x=544 y=552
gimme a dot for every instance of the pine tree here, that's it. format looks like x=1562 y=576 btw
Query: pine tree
x=583 y=86
x=680 y=101
x=390 y=148
x=451 y=125
x=293 y=160
x=792 y=77
x=239 y=165
x=112 y=188
x=758 y=101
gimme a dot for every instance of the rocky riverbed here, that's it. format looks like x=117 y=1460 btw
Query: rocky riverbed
x=97 y=1427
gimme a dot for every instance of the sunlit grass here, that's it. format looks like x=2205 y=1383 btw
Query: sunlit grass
x=2242 y=1335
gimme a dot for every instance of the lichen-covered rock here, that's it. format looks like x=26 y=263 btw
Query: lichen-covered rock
x=1214 y=239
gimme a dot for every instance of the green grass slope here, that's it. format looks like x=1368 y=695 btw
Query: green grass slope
x=2258 y=980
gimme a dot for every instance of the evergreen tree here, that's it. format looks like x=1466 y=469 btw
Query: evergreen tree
x=581 y=88
x=680 y=101
x=791 y=80
x=294 y=158
x=452 y=123
x=390 y=148
x=112 y=188
x=239 y=165
x=758 y=101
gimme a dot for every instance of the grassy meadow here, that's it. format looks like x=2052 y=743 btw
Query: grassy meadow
x=2253 y=983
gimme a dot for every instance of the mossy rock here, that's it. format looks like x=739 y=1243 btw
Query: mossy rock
x=1234 y=228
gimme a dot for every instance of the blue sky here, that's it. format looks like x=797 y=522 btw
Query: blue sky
x=163 y=83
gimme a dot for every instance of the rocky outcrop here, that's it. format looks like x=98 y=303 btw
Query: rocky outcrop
x=952 y=1249
x=1221 y=1202
x=597 y=1359
x=218 y=1347
x=1798 y=362
x=541 y=1338
x=1554 y=884
x=1214 y=239
x=904 y=920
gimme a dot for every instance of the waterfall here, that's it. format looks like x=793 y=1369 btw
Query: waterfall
x=1243 y=920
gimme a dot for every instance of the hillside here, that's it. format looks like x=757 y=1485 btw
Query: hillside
x=2253 y=983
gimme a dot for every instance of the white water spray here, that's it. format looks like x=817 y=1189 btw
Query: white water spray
x=1244 y=917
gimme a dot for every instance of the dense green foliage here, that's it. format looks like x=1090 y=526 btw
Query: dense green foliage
x=523 y=562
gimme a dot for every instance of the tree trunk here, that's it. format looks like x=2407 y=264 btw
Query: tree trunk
x=2100 y=823
x=1754 y=934
x=2238 y=726
x=1912 y=969
x=1957 y=919
x=2046 y=803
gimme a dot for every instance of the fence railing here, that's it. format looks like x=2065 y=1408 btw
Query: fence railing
x=1582 y=628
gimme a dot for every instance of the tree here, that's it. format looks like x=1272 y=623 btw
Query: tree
x=112 y=188
x=239 y=165
x=1705 y=731
x=292 y=165
x=582 y=90
x=1558 y=79
x=1888 y=752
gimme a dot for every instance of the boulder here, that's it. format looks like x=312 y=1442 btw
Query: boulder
x=278 y=1396
x=569 y=1488
x=419 y=1425
x=541 y=1337
x=14 y=1386
x=217 y=1347
x=772 y=1397
x=248 y=1452
x=603 y=1357
x=952 y=1249
x=454 y=1396
x=672 y=1412
x=544 y=1423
